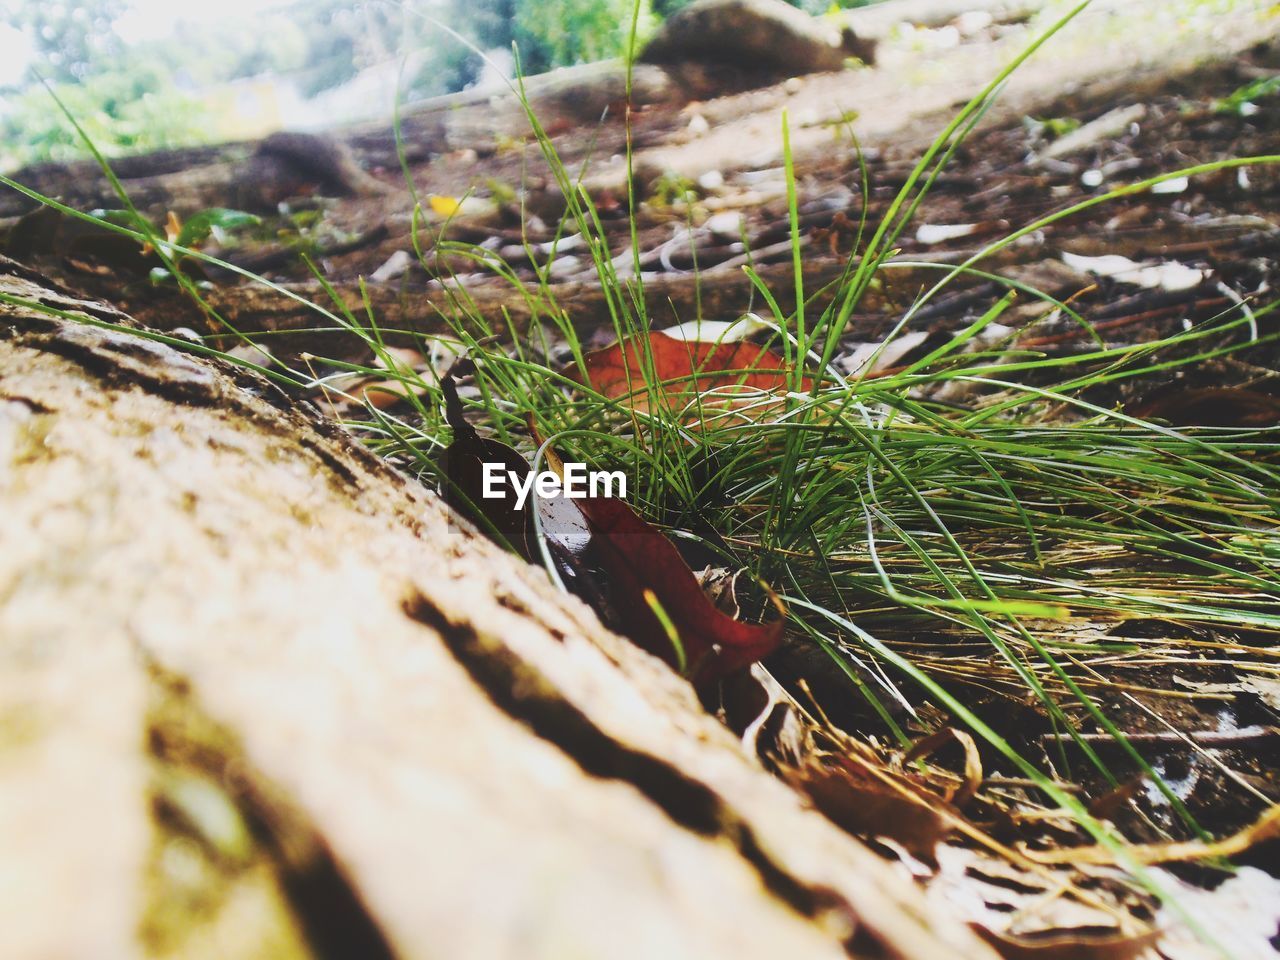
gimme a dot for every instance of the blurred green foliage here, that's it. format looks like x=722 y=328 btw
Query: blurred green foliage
x=556 y=32
x=124 y=102
x=123 y=111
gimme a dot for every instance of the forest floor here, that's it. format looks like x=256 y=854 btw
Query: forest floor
x=1093 y=110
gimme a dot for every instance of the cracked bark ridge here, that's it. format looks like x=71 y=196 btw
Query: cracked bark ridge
x=263 y=696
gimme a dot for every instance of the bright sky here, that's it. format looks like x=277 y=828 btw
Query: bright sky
x=15 y=54
x=155 y=19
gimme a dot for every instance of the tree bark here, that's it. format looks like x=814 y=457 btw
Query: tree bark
x=263 y=696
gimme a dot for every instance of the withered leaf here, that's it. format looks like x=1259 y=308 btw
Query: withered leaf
x=966 y=791
x=606 y=554
x=687 y=369
x=852 y=798
x=1265 y=829
x=640 y=563
x=640 y=569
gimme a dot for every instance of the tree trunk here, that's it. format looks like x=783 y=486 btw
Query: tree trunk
x=262 y=696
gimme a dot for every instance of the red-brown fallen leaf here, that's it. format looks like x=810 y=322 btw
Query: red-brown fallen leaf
x=637 y=567
x=687 y=368
x=639 y=561
x=607 y=555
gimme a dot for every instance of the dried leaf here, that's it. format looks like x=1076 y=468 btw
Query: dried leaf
x=972 y=761
x=1242 y=915
x=719 y=584
x=772 y=725
x=404 y=362
x=717 y=331
x=641 y=569
x=400 y=359
x=172 y=227
x=1266 y=690
x=1170 y=275
x=637 y=559
x=687 y=370
x=853 y=798
x=885 y=356
x=393 y=267
x=1010 y=896
x=1106 y=806
x=253 y=352
x=929 y=234
x=607 y=555
x=1105 y=127
x=385 y=394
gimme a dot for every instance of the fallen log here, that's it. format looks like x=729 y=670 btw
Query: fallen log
x=258 y=174
x=264 y=696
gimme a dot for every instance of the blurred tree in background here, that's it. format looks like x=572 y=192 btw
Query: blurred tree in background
x=72 y=39
x=557 y=32
x=126 y=103
x=155 y=94
x=124 y=111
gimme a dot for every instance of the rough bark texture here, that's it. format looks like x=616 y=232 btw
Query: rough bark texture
x=264 y=697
